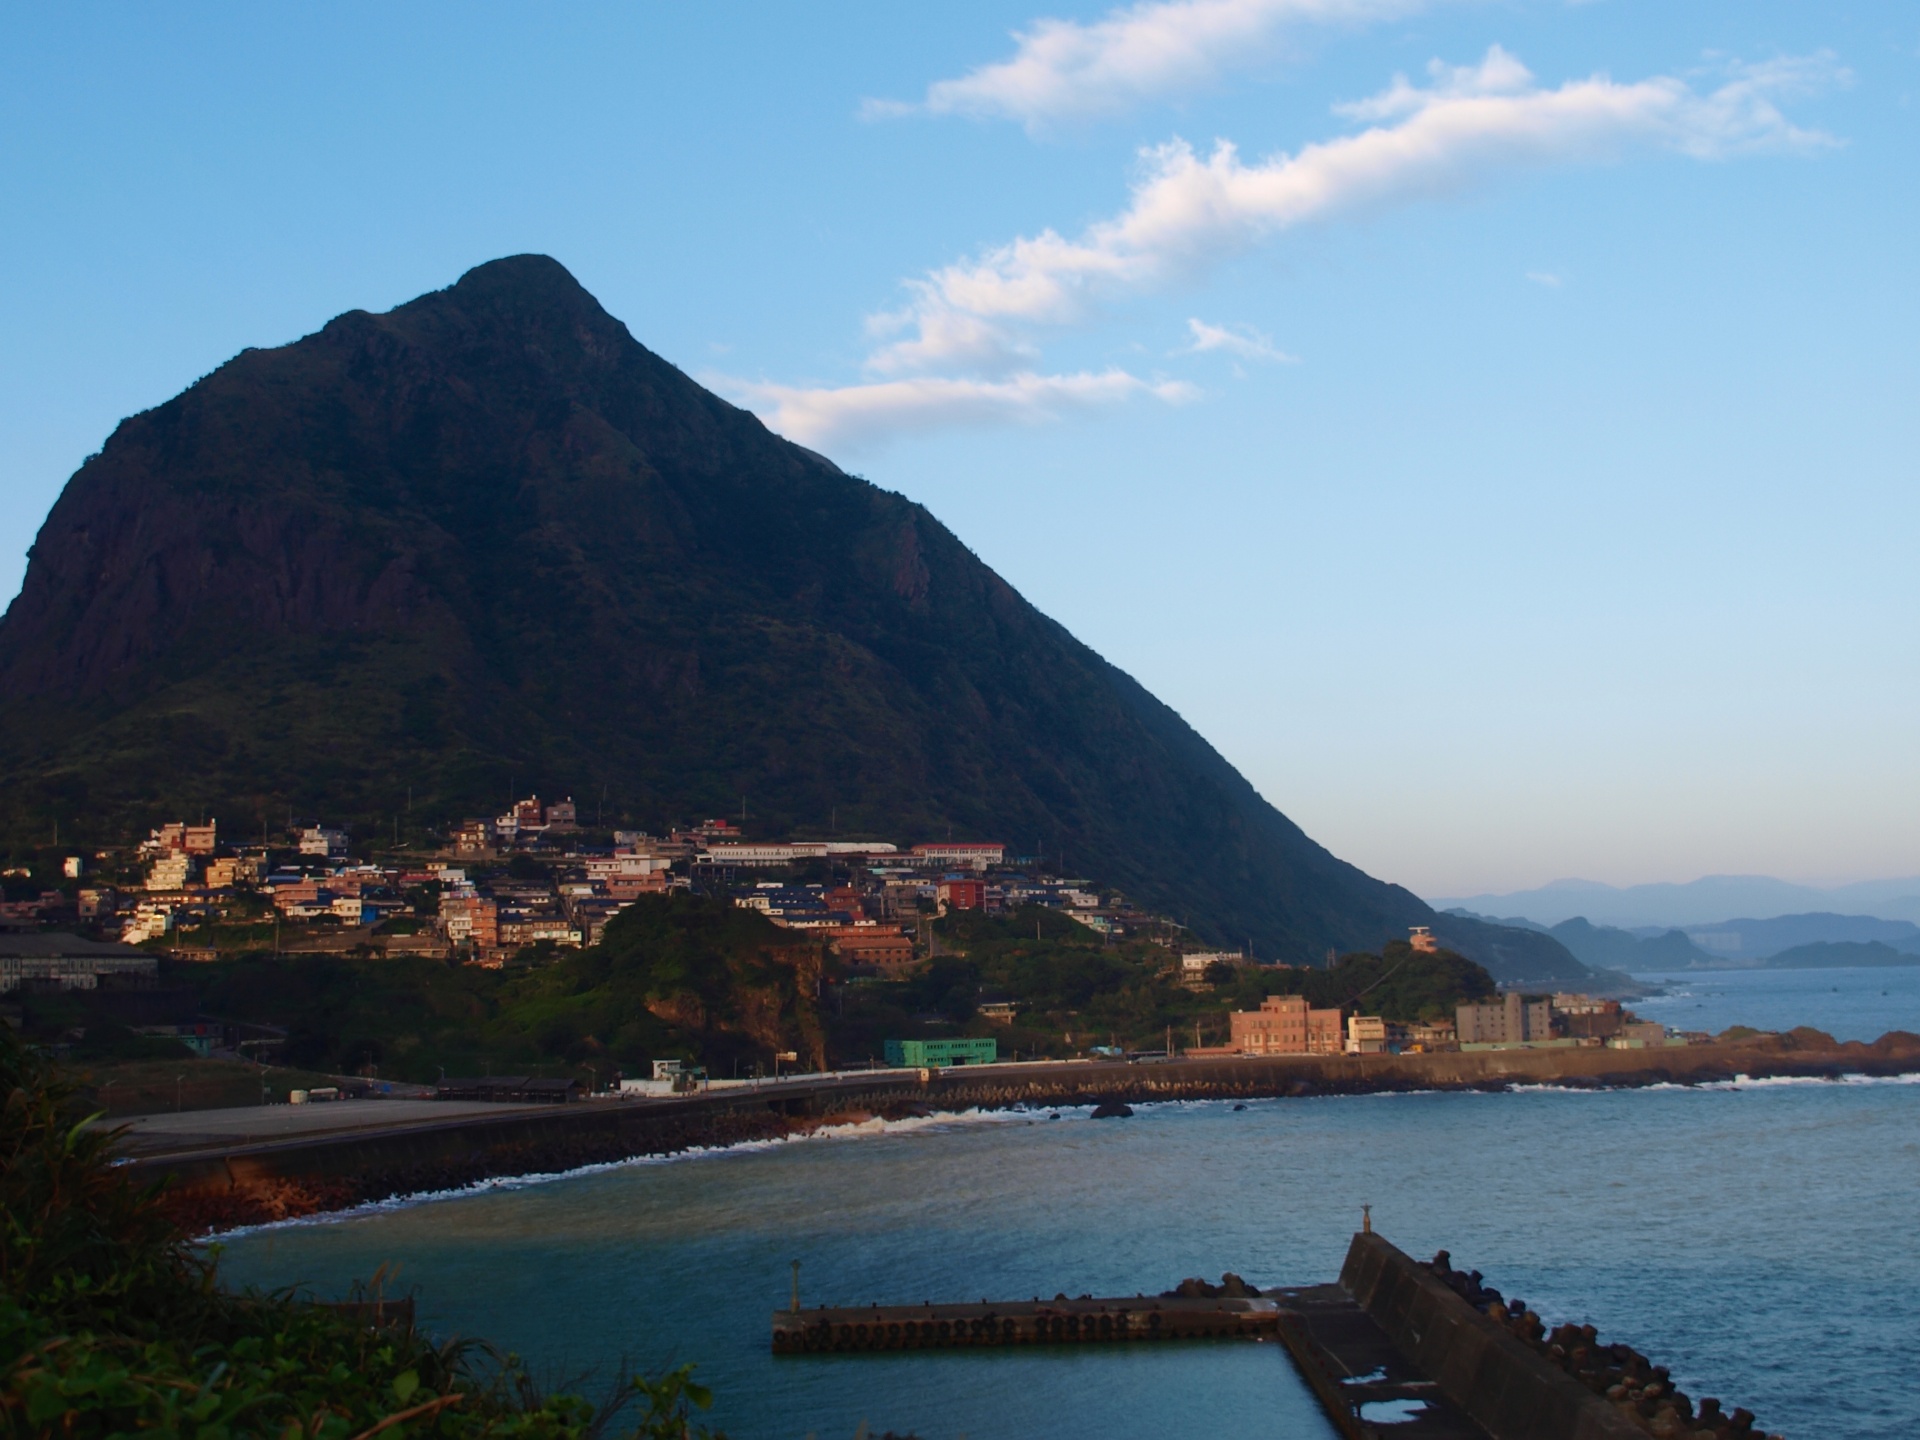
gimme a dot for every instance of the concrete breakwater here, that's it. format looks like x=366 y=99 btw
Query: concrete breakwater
x=1059 y=1321
x=1417 y=1349
x=218 y=1187
x=1498 y=1362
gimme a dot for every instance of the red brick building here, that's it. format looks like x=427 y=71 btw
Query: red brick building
x=963 y=894
x=875 y=945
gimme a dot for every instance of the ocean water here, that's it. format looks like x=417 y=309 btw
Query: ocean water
x=1848 y=1004
x=1756 y=1237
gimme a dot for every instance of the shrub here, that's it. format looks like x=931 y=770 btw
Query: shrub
x=114 y=1323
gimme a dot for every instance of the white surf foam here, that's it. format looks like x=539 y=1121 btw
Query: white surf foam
x=874 y=1128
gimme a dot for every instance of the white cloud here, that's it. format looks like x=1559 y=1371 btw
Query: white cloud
x=1067 y=70
x=1544 y=277
x=1187 y=211
x=1240 y=340
x=962 y=350
x=855 y=414
x=1498 y=73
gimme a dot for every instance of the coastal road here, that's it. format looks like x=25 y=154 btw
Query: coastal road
x=192 y=1130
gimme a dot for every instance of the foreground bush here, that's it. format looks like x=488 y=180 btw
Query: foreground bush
x=112 y=1323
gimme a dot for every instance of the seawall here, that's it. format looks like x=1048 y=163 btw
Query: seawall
x=217 y=1188
x=1500 y=1383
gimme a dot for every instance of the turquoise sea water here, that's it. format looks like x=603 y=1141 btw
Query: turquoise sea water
x=1757 y=1238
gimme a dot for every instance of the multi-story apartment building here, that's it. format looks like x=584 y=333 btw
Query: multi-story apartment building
x=976 y=855
x=470 y=919
x=1286 y=1025
x=1513 y=1019
x=173 y=871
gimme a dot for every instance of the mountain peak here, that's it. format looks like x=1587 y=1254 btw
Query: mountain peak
x=527 y=271
x=486 y=539
x=517 y=285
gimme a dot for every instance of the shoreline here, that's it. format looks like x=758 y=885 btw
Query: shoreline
x=262 y=1183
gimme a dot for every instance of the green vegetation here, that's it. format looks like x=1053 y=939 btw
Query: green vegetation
x=692 y=978
x=111 y=1323
x=1066 y=980
x=1400 y=984
x=677 y=976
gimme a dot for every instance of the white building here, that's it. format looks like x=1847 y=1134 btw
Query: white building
x=1194 y=966
x=322 y=841
x=67 y=961
x=753 y=856
x=974 y=855
x=608 y=867
x=149 y=922
x=172 y=872
x=1366 y=1035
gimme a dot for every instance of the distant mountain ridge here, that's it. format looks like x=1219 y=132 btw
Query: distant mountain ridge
x=1838 y=954
x=1703 y=902
x=1748 y=939
x=1608 y=948
x=1785 y=942
x=486 y=541
x=1615 y=949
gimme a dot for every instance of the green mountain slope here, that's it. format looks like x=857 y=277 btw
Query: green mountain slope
x=488 y=541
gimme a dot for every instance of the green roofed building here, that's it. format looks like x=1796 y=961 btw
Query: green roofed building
x=912 y=1054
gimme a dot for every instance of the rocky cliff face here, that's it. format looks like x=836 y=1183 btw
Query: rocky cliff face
x=488 y=540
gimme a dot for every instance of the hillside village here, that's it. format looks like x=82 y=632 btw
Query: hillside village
x=520 y=889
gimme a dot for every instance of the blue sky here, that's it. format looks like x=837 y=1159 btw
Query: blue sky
x=1492 y=424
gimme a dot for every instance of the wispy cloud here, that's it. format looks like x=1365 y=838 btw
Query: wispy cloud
x=1188 y=211
x=1069 y=70
x=1242 y=341
x=1544 y=277
x=965 y=348
x=855 y=413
